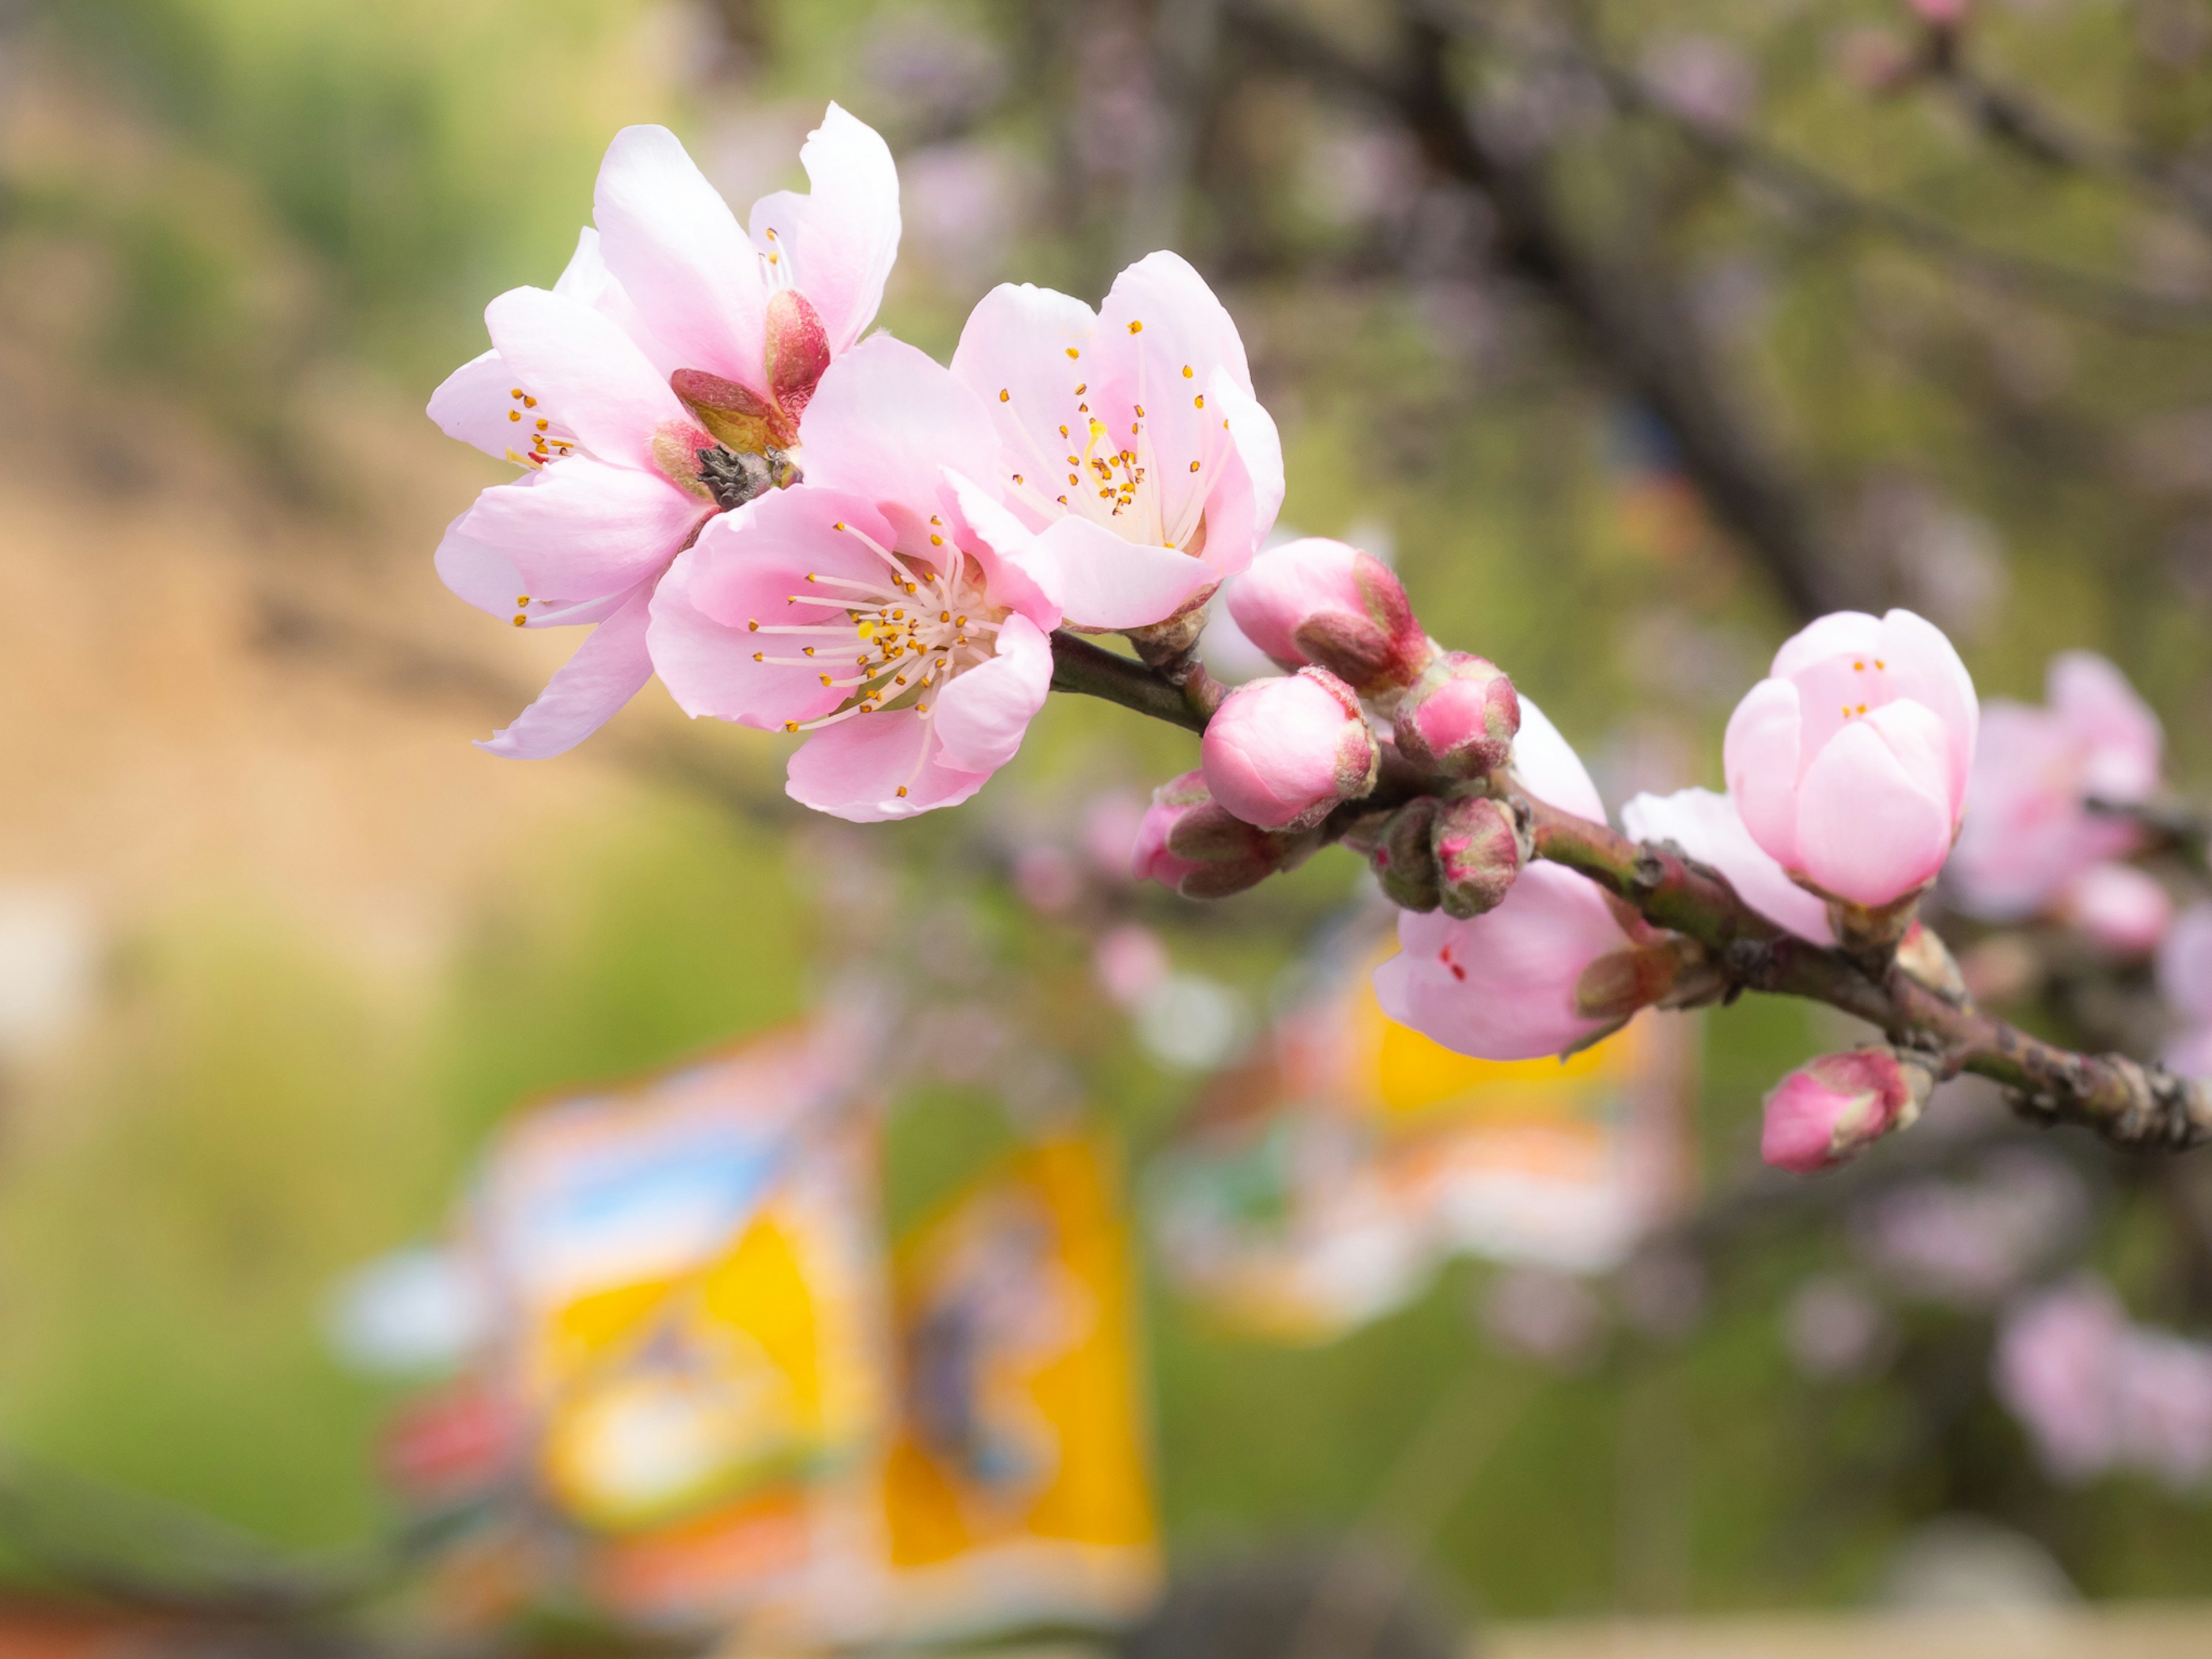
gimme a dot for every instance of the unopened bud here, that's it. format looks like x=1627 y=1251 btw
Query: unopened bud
x=1323 y=603
x=1480 y=851
x=1459 y=718
x=1189 y=841
x=1831 y=1108
x=1282 y=753
x=743 y=419
x=1404 y=856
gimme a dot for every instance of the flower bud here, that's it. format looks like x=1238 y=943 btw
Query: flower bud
x=1459 y=718
x=1830 y=1109
x=1403 y=857
x=1320 y=602
x=1280 y=753
x=740 y=416
x=1478 y=853
x=796 y=350
x=1189 y=842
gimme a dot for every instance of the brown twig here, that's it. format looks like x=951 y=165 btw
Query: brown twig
x=2127 y=1102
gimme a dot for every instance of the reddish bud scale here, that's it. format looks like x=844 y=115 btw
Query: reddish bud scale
x=1319 y=602
x=1189 y=842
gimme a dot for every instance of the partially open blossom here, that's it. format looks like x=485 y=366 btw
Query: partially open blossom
x=1480 y=851
x=2121 y=909
x=1458 y=717
x=1189 y=842
x=1281 y=752
x=749 y=316
x=1504 y=985
x=1848 y=764
x=1129 y=437
x=1705 y=827
x=2028 y=830
x=880 y=606
x=1324 y=602
x=577 y=389
x=1833 y=1107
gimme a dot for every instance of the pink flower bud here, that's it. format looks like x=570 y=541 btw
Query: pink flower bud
x=2125 y=911
x=1404 y=855
x=1281 y=752
x=1189 y=842
x=1459 y=718
x=1320 y=602
x=1830 y=1109
x=1478 y=853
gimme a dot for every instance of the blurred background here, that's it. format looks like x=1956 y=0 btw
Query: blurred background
x=1633 y=334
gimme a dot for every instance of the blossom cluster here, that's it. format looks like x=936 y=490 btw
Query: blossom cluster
x=806 y=531
x=801 y=530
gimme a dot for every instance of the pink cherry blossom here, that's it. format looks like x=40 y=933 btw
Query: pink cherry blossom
x=1131 y=438
x=2056 y=1370
x=1281 y=752
x=2164 y=1406
x=880 y=606
x=1848 y=764
x=1324 y=602
x=1833 y=1108
x=2028 y=830
x=1502 y=985
x=2120 y=909
x=581 y=378
x=1705 y=825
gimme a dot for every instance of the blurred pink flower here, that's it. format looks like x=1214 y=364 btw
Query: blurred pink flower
x=1970 y=1242
x=1130 y=963
x=1849 y=765
x=2056 y=1370
x=1539 y=1314
x=1705 y=825
x=1281 y=752
x=1833 y=1108
x=1833 y=1329
x=2184 y=982
x=2027 y=830
x=579 y=377
x=1046 y=877
x=1703 y=78
x=1941 y=14
x=1502 y=985
x=1131 y=440
x=2119 y=907
x=1110 y=822
x=2164 y=1406
x=882 y=606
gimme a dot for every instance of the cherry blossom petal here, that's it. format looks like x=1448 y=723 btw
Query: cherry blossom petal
x=1868 y=829
x=1924 y=666
x=583 y=529
x=1246 y=487
x=1502 y=986
x=1024 y=353
x=1705 y=825
x=885 y=423
x=474 y=403
x=1103 y=582
x=679 y=252
x=856 y=769
x=1838 y=634
x=610 y=668
x=707 y=665
x=1180 y=324
x=585 y=371
x=842 y=238
x=981 y=714
x=1006 y=549
x=1761 y=756
x=478 y=572
x=1549 y=769
x=2102 y=711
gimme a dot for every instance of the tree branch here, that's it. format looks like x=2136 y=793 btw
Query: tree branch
x=2128 y=1103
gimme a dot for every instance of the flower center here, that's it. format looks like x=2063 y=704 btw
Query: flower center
x=893 y=640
